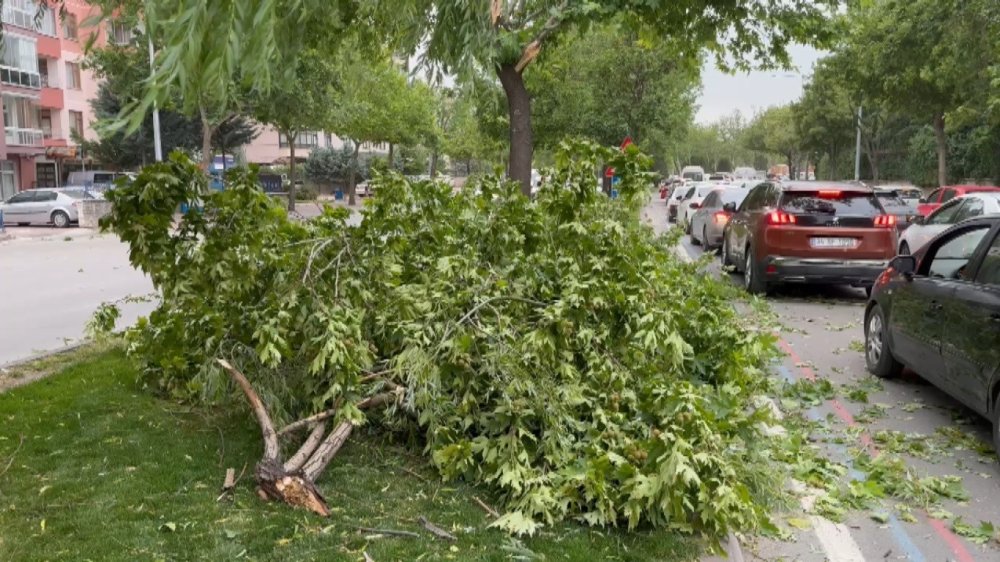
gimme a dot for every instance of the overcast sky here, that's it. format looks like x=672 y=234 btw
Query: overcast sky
x=749 y=92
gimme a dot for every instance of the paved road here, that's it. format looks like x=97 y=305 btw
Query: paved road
x=821 y=337
x=51 y=281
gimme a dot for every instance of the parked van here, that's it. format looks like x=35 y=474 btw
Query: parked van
x=97 y=178
x=693 y=173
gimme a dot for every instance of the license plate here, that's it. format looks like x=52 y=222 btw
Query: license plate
x=832 y=242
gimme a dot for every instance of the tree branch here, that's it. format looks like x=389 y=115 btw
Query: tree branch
x=271 y=450
x=307 y=448
x=535 y=46
x=326 y=451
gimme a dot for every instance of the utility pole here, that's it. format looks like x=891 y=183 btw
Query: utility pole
x=157 y=145
x=857 y=150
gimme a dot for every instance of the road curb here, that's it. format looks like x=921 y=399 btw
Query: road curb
x=44 y=354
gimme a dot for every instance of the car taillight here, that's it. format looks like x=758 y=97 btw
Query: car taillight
x=780 y=217
x=721 y=218
x=885 y=221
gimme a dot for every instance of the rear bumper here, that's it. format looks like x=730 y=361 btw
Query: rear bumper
x=823 y=270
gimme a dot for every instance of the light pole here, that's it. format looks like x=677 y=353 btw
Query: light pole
x=157 y=144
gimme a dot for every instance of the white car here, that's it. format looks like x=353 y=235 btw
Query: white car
x=674 y=200
x=692 y=202
x=958 y=209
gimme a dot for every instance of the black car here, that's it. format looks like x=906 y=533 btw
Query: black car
x=938 y=313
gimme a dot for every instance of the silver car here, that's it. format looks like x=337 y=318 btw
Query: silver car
x=921 y=230
x=56 y=206
x=710 y=219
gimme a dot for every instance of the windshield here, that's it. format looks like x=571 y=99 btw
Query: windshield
x=696 y=176
x=892 y=203
x=735 y=196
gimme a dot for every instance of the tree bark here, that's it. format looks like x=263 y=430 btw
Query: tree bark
x=307 y=448
x=207 y=130
x=521 y=138
x=389 y=157
x=351 y=174
x=291 y=171
x=434 y=164
x=941 y=140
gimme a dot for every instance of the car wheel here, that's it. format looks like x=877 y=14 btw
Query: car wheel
x=753 y=280
x=687 y=226
x=694 y=240
x=60 y=219
x=904 y=249
x=727 y=261
x=704 y=239
x=878 y=355
x=996 y=425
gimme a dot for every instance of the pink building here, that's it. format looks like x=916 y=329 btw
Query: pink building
x=270 y=147
x=45 y=92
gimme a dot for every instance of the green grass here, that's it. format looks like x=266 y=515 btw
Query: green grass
x=108 y=472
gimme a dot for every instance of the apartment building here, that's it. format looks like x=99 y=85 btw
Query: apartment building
x=45 y=92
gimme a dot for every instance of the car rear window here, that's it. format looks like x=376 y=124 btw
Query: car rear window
x=892 y=202
x=733 y=196
x=840 y=203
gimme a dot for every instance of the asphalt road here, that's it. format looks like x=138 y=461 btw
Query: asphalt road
x=52 y=280
x=822 y=337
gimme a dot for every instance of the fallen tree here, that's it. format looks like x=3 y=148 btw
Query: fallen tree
x=553 y=350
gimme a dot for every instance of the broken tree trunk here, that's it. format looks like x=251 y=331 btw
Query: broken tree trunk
x=292 y=482
x=273 y=480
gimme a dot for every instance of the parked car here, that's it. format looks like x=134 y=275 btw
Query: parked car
x=797 y=232
x=953 y=212
x=97 y=179
x=692 y=201
x=938 y=313
x=56 y=206
x=942 y=195
x=712 y=216
x=897 y=206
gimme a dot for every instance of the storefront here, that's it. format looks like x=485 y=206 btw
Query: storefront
x=8 y=179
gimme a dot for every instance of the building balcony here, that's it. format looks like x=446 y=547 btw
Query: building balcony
x=51 y=98
x=24 y=137
x=20 y=78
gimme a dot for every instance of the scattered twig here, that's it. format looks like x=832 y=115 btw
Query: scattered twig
x=325 y=415
x=436 y=531
x=485 y=507
x=228 y=484
x=12 y=455
x=414 y=473
x=393 y=532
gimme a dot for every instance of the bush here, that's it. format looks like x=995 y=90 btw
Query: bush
x=553 y=350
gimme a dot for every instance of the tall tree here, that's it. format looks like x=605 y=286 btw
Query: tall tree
x=258 y=40
x=301 y=103
x=774 y=130
x=376 y=105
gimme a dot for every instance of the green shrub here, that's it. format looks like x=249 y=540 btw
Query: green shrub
x=554 y=350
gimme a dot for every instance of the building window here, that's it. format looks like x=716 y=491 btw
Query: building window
x=21 y=13
x=119 y=33
x=8 y=180
x=76 y=124
x=21 y=121
x=309 y=139
x=73 y=76
x=69 y=26
x=19 y=65
x=45 y=120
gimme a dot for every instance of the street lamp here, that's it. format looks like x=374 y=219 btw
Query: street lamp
x=157 y=144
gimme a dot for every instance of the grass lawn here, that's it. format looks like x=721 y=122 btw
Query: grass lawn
x=96 y=469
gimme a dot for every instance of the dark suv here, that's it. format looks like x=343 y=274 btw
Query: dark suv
x=807 y=232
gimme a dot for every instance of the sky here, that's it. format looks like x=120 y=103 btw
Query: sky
x=750 y=92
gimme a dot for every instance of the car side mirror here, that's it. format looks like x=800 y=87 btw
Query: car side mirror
x=729 y=207
x=906 y=265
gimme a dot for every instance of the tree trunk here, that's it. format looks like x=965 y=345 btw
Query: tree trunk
x=389 y=157
x=941 y=141
x=434 y=164
x=351 y=174
x=291 y=172
x=207 y=130
x=519 y=111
